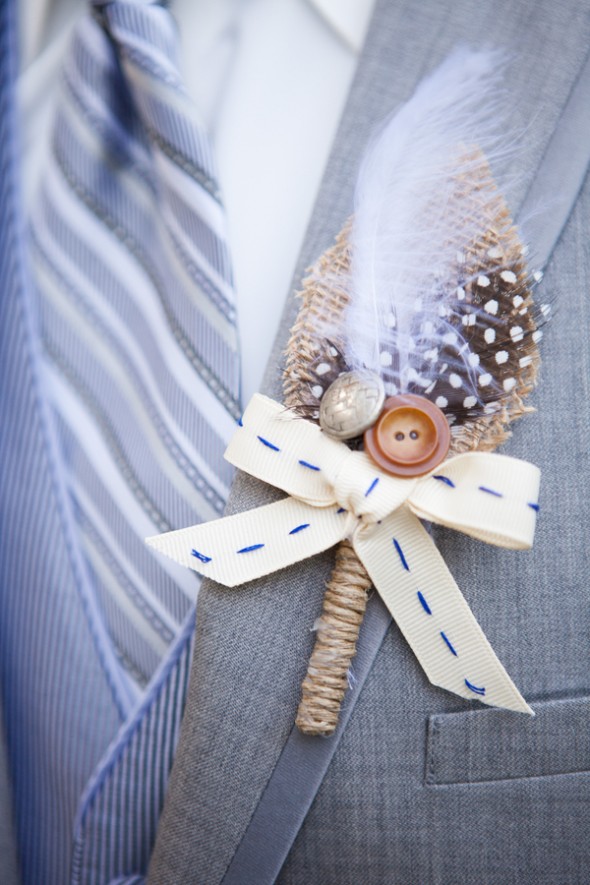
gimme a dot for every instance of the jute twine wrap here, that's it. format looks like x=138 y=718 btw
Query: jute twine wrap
x=347 y=591
x=326 y=681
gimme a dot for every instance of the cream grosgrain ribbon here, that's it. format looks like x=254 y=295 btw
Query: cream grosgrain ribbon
x=335 y=493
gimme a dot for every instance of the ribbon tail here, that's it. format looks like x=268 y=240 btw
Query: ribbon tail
x=240 y=548
x=418 y=589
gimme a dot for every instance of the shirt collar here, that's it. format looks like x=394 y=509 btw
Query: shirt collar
x=349 y=19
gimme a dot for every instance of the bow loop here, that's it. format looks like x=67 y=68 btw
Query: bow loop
x=491 y=497
x=274 y=445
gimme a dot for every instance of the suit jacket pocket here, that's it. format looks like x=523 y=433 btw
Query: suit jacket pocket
x=495 y=745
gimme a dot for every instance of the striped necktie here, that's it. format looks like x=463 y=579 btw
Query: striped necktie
x=137 y=323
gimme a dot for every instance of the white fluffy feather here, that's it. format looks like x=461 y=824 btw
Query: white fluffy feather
x=404 y=240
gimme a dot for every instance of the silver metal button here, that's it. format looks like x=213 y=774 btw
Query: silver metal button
x=351 y=404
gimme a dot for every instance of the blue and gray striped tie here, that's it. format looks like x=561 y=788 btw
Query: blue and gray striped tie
x=136 y=315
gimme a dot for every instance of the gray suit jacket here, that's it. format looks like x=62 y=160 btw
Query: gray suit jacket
x=423 y=787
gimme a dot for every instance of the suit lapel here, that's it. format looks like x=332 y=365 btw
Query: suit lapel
x=253 y=642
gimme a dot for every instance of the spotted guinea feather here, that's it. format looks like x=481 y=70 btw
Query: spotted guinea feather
x=487 y=328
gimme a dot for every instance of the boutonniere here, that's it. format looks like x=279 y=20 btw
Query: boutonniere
x=415 y=346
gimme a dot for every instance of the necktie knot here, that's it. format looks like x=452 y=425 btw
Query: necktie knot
x=146 y=32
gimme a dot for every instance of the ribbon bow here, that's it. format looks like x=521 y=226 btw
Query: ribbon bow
x=335 y=493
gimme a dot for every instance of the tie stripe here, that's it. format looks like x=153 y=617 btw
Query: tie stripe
x=122 y=312
x=115 y=201
x=115 y=363
x=137 y=321
x=130 y=229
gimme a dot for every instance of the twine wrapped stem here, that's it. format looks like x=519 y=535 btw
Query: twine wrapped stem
x=326 y=681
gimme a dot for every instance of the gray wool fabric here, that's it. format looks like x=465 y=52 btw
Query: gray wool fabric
x=422 y=788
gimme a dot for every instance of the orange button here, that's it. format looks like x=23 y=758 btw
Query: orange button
x=410 y=437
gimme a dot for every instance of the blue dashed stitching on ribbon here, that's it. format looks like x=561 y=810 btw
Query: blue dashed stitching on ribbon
x=400 y=553
x=424 y=604
x=446 y=480
x=299 y=528
x=371 y=487
x=310 y=466
x=268 y=444
x=341 y=510
x=249 y=549
x=449 y=644
x=491 y=492
x=200 y=556
x=474 y=688
x=534 y=507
